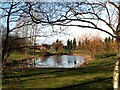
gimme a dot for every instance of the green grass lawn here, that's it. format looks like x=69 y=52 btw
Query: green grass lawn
x=18 y=56
x=96 y=75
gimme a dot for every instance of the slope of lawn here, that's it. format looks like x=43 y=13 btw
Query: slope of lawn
x=96 y=75
x=18 y=56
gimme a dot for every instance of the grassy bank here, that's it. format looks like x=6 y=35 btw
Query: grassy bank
x=96 y=75
x=18 y=56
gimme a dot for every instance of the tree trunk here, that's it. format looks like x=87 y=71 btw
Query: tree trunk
x=116 y=69
x=116 y=75
x=7 y=36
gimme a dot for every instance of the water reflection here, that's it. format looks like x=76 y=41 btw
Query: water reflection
x=57 y=61
x=64 y=61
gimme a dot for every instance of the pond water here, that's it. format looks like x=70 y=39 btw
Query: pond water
x=57 y=61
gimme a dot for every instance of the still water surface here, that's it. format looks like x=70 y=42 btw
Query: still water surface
x=57 y=61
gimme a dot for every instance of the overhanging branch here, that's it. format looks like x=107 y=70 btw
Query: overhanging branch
x=85 y=26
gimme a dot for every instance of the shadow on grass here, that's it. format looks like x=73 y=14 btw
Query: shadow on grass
x=87 y=85
x=97 y=67
x=60 y=72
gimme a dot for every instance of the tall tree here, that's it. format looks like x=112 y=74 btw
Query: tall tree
x=15 y=16
x=11 y=13
x=71 y=44
x=107 y=44
x=80 y=44
x=74 y=43
x=68 y=44
x=58 y=46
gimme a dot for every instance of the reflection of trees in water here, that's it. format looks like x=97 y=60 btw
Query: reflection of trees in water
x=55 y=61
x=43 y=61
x=58 y=60
x=75 y=62
x=31 y=62
x=72 y=61
x=37 y=61
x=44 y=58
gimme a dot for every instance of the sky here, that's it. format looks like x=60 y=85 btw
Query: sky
x=74 y=32
x=50 y=0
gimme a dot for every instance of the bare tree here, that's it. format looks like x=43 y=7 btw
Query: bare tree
x=58 y=46
x=95 y=15
x=11 y=13
x=92 y=44
x=15 y=16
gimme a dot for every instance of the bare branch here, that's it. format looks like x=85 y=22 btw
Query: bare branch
x=85 y=26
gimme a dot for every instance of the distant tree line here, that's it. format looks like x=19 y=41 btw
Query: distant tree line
x=93 y=44
x=71 y=44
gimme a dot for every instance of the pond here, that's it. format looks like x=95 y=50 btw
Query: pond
x=56 y=61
